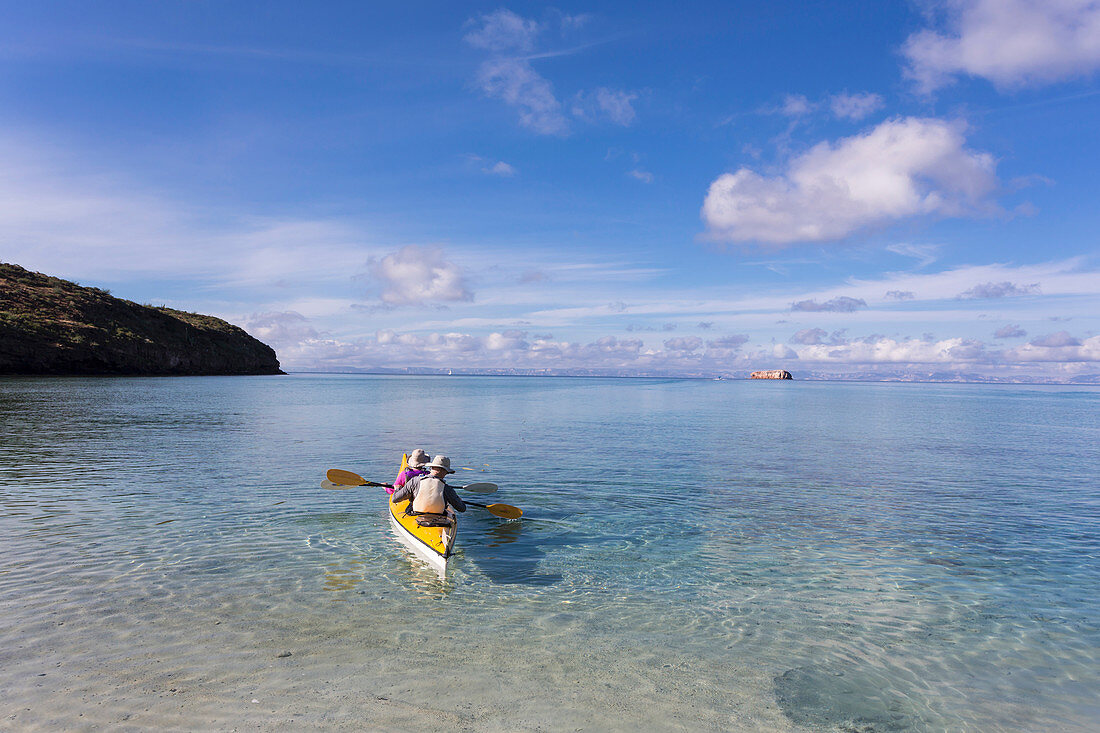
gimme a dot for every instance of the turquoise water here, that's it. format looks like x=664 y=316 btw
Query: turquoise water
x=695 y=555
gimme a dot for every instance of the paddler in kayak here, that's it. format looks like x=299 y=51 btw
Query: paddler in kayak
x=430 y=493
x=415 y=467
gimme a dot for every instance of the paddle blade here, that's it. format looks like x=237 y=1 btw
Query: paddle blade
x=480 y=488
x=326 y=484
x=345 y=478
x=506 y=511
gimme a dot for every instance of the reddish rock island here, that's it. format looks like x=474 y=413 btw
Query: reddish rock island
x=771 y=374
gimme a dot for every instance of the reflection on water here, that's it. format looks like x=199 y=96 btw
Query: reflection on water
x=851 y=564
x=504 y=533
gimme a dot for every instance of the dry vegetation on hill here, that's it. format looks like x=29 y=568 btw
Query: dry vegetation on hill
x=53 y=326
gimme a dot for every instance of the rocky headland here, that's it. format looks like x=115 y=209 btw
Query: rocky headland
x=771 y=374
x=53 y=326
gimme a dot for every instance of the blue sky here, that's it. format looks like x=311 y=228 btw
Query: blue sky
x=834 y=189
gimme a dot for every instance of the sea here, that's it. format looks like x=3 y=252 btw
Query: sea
x=694 y=555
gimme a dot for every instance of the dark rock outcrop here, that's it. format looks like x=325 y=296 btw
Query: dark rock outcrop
x=53 y=326
x=771 y=374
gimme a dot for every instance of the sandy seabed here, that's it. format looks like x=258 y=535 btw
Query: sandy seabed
x=127 y=670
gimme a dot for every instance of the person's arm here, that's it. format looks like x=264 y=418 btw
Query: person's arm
x=405 y=492
x=452 y=498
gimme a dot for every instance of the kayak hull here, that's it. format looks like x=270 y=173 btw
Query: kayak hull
x=433 y=545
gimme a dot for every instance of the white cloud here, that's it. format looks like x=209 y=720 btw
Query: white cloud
x=417 y=275
x=1009 y=332
x=503 y=30
x=735 y=341
x=639 y=174
x=1056 y=340
x=997 y=290
x=816 y=337
x=277 y=329
x=855 y=106
x=840 y=304
x=507 y=341
x=512 y=79
x=1058 y=348
x=684 y=343
x=1009 y=42
x=611 y=104
x=795 y=105
x=902 y=168
x=893 y=351
x=520 y=86
x=500 y=168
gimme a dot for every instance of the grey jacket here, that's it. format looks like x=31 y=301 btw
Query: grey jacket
x=408 y=491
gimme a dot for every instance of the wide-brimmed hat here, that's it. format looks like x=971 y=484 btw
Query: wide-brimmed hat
x=440 y=462
x=418 y=458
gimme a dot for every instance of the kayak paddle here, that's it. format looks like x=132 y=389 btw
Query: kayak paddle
x=338 y=479
x=346 y=479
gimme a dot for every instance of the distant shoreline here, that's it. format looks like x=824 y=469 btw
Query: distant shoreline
x=715 y=378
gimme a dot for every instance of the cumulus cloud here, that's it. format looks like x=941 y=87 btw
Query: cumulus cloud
x=277 y=329
x=1056 y=340
x=1009 y=332
x=839 y=304
x=1009 y=42
x=899 y=295
x=507 y=341
x=997 y=290
x=782 y=351
x=735 y=341
x=902 y=168
x=810 y=336
x=881 y=354
x=855 y=106
x=879 y=349
x=417 y=275
x=1059 y=347
x=643 y=176
x=614 y=105
x=516 y=83
x=502 y=30
x=684 y=343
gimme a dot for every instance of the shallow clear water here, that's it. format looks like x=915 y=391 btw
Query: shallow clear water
x=695 y=555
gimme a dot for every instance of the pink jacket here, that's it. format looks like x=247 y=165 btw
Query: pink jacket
x=404 y=476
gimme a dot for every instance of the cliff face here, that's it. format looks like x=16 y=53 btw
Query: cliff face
x=53 y=326
x=771 y=374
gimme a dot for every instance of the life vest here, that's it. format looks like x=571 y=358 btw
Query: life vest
x=429 y=496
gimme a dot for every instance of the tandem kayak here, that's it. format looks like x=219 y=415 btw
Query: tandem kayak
x=431 y=544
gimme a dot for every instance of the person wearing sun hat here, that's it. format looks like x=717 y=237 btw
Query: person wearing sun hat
x=414 y=467
x=430 y=494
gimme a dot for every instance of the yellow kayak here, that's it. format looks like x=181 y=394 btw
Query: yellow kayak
x=431 y=544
